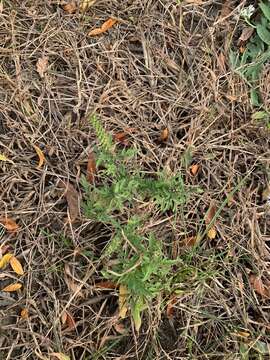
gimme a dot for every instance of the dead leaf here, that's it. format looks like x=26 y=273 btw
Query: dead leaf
x=42 y=65
x=70 y=7
x=210 y=213
x=67 y=319
x=246 y=34
x=190 y=241
x=4 y=248
x=243 y=334
x=24 y=314
x=170 y=306
x=4 y=158
x=123 y=292
x=12 y=287
x=60 y=356
x=9 y=224
x=106 y=285
x=5 y=260
x=194 y=169
x=120 y=328
x=221 y=62
x=91 y=167
x=212 y=233
x=105 y=26
x=40 y=156
x=164 y=135
x=73 y=200
x=86 y=4
x=16 y=265
x=121 y=137
x=257 y=284
x=226 y=9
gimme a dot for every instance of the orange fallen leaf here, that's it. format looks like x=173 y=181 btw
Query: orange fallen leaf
x=9 y=224
x=67 y=319
x=106 y=285
x=258 y=285
x=24 y=314
x=91 y=167
x=42 y=65
x=40 y=156
x=16 y=265
x=194 y=169
x=121 y=137
x=170 y=306
x=164 y=135
x=210 y=213
x=105 y=26
x=70 y=7
x=12 y=287
x=73 y=200
x=5 y=260
x=190 y=241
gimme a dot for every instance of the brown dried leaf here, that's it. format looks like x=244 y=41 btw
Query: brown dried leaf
x=210 y=213
x=190 y=241
x=121 y=137
x=123 y=293
x=73 y=200
x=194 y=169
x=42 y=65
x=170 y=306
x=226 y=8
x=12 y=287
x=221 y=61
x=106 y=285
x=164 y=135
x=9 y=224
x=40 y=156
x=91 y=168
x=257 y=284
x=24 y=314
x=5 y=260
x=105 y=27
x=67 y=319
x=16 y=265
x=246 y=34
x=70 y=7
x=120 y=328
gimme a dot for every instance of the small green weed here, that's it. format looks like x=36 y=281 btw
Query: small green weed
x=250 y=63
x=138 y=258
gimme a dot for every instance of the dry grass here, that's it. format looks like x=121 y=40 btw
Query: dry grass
x=160 y=66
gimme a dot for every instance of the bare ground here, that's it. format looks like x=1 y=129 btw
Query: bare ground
x=163 y=65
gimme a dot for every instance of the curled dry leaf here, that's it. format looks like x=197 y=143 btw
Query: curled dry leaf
x=24 y=314
x=194 y=169
x=164 y=135
x=16 y=265
x=246 y=34
x=42 y=65
x=40 y=156
x=91 y=168
x=123 y=293
x=257 y=284
x=9 y=224
x=70 y=7
x=67 y=319
x=120 y=328
x=105 y=27
x=5 y=260
x=12 y=287
x=210 y=213
x=73 y=200
x=121 y=137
